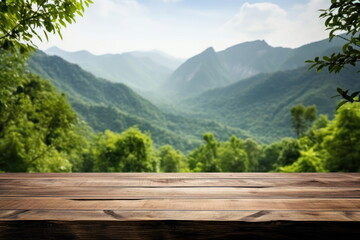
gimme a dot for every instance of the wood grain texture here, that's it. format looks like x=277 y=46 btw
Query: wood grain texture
x=179 y=205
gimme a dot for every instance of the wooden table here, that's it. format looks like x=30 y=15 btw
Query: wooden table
x=180 y=206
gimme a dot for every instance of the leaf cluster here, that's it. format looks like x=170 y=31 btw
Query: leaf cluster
x=343 y=16
x=38 y=128
x=22 y=20
x=349 y=97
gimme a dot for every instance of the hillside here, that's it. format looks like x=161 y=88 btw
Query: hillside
x=106 y=105
x=211 y=69
x=159 y=57
x=214 y=87
x=198 y=74
x=139 y=70
x=250 y=58
x=261 y=104
x=82 y=86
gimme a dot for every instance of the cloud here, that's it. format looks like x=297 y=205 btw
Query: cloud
x=121 y=8
x=257 y=18
x=278 y=26
x=113 y=26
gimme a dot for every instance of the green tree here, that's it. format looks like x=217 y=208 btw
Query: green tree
x=205 y=157
x=331 y=145
x=343 y=16
x=38 y=128
x=269 y=156
x=254 y=151
x=171 y=160
x=233 y=157
x=22 y=20
x=129 y=151
x=39 y=131
x=289 y=153
x=341 y=143
x=315 y=134
x=309 y=161
x=302 y=117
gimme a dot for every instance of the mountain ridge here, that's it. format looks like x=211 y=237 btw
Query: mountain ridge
x=106 y=105
x=261 y=104
x=141 y=73
x=242 y=61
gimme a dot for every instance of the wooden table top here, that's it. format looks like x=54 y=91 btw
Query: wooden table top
x=239 y=197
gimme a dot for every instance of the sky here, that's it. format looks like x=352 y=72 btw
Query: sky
x=184 y=28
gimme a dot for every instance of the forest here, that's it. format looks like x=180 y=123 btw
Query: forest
x=44 y=129
x=40 y=132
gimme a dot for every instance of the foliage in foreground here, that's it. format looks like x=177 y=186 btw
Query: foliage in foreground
x=343 y=16
x=21 y=21
x=39 y=131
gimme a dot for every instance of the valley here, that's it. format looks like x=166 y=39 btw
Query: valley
x=246 y=90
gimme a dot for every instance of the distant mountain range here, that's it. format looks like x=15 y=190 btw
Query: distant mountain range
x=107 y=105
x=198 y=74
x=210 y=69
x=143 y=71
x=164 y=75
x=246 y=90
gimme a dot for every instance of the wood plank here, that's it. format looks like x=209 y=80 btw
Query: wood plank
x=23 y=203
x=182 y=182
x=110 y=215
x=179 y=192
x=178 y=175
x=180 y=206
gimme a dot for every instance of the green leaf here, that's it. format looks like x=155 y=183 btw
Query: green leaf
x=340 y=104
x=340 y=91
x=354 y=94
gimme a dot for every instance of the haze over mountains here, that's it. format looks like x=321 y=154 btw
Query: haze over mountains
x=261 y=104
x=210 y=69
x=107 y=105
x=165 y=75
x=246 y=90
x=143 y=71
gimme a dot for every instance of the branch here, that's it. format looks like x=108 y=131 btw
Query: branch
x=22 y=21
x=343 y=38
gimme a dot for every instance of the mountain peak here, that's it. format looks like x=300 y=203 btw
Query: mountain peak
x=54 y=51
x=54 y=48
x=208 y=53
x=60 y=52
x=209 y=50
x=250 y=46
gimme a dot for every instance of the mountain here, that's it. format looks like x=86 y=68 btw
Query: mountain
x=216 y=86
x=298 y=56
x=250 y=58
x=211 y=69
x=141 y=71
x=198 y=74
x=159 y=57
x=261 y=104
x=106 y=105
x=83 y=86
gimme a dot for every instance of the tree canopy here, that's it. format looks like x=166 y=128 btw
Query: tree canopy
x=343 y=21
x=302 y=118
x=38 y=128
x=22 y=20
